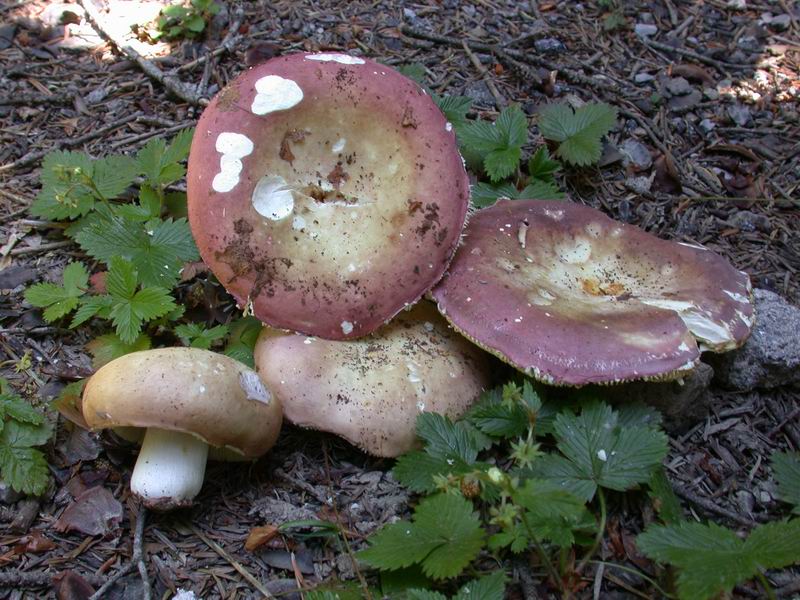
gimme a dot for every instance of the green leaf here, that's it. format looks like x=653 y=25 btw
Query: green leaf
x=501 y=163
x=22 y=466
x=541 y=166
x=108 y=347
x=455 y=109
x=444 y=538
x=129 y=314
x=638 y=415
x=19 y=409
x=551 y=512
x=416 y=470
x=415 y=71
x=512 y=125
x=541 y=190
x=485 y=194
x=496 y=418
x=579 y=132
x=598 y=451
x=178 y=149
x=91 y=306
x=121 y=279
x=60 y=300
x=197 y=336
x=65 y=192
x=112 y=175
x=445 y=439
x=419 y=594
x=488 y=587
x=150 y=157
x=664 y=499
x=786 y=466
x=712 y=559
x=158 y=248
x=195 y=23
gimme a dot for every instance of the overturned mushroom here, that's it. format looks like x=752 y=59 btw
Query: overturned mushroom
x=371 y=390
x=572 y=297
x=315 y=179
x=187 y=400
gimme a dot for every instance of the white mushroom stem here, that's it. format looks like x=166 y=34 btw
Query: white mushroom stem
x=170 y=469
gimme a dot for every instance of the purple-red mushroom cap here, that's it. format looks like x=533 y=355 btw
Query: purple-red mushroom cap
x=371 y=390
x=326 y=192
x=572 y=297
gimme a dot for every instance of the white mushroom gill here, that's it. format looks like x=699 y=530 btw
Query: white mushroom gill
x=702 y=326
x=275 y=93
x=170 y=469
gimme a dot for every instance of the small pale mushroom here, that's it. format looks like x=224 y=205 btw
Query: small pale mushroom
x=371 y=390
x=313 y=180
x=571 y=297
x=186 y=402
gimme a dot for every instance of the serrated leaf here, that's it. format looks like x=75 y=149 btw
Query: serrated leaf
x=112 y=175
x=19 y=409
x=58 y=300
x=91 y=306
x=552 y=512
x=786 y=466
x=495 y=418
x=121 y=279
x=444 y=538
x=598 y=451
x=150 y=158
x=485 y=194
x=416 y=470
x=129 y=314
x=541 y=166
x=712 y=559
x=240 y=352
x=414 y=71
x=108 y=347
x=501 y=163
x=638 y=415
x=170 y=173
x=24 y=469
x=444 y=439
x=488 y=587
x=512 y=125
x=196 y=335
x=541 y=190
x=455 y=109
x=64 y=195
x=178 y=149
x=158 y=248
x=579 y=132
x=481 y=136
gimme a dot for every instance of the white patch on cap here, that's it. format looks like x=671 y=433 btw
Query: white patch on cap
x=347 y=327
x=233 y=147
x=275 y=93
x=344 y=59
x=272 y=198
x=339 y=146
x=253 y=388
x=298 y=223
x=448 y=127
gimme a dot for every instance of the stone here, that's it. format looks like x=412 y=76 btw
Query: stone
x=480 y=94
x=679 y=86
x=682 y=403
x=739 y=114
x=645 y=29
x=750 y=221
x=643 y=77
x=8 y=495
x=706 y=125
x=636 y=154
x=549 y=46
x=771 y=355
x=781 y=22
x=686 y=102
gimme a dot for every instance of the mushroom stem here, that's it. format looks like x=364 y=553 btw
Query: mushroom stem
x=170 y=469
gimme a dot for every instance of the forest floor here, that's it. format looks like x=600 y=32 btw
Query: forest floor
x=708 y=99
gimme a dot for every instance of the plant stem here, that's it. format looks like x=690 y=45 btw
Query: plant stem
x=767 y=587
x=600 y=532
x=636 y=572
x=551 y=570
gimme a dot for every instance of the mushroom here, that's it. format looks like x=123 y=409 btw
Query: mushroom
x=315 y=179
x=571 y=297
x=371 y=390
x=188 y=400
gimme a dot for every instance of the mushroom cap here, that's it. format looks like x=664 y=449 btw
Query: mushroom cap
x=371 y=390
x=209 y=395
x=326 y=191
x=569 y=296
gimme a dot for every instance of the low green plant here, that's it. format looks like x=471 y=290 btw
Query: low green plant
x=185 y=19
x=712 y=559
x=517 y=474
x=22 y=429
x=119 y=211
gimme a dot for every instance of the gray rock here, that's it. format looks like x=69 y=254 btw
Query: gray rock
x=479 y=93
x=643 y=77
x=549 y=46
x=750 y=221
x=636 y=154
x=688 y=101
x=8 y=495
x=682 y=402
x=679 y=86
x=771 y=355
x=781 y=22
x=706 y=125
x=645 y=29
x=739 y=114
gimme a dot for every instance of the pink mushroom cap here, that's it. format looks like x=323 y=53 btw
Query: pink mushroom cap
x=326 y=192
x=571 y=297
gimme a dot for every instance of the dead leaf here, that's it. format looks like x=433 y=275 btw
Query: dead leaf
x=190 y=270
x=693 y=73
x=33 y=543
x=94 y=512
x=667 y=179
x=259 y=536
x=71 y=586
x=98 y=282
